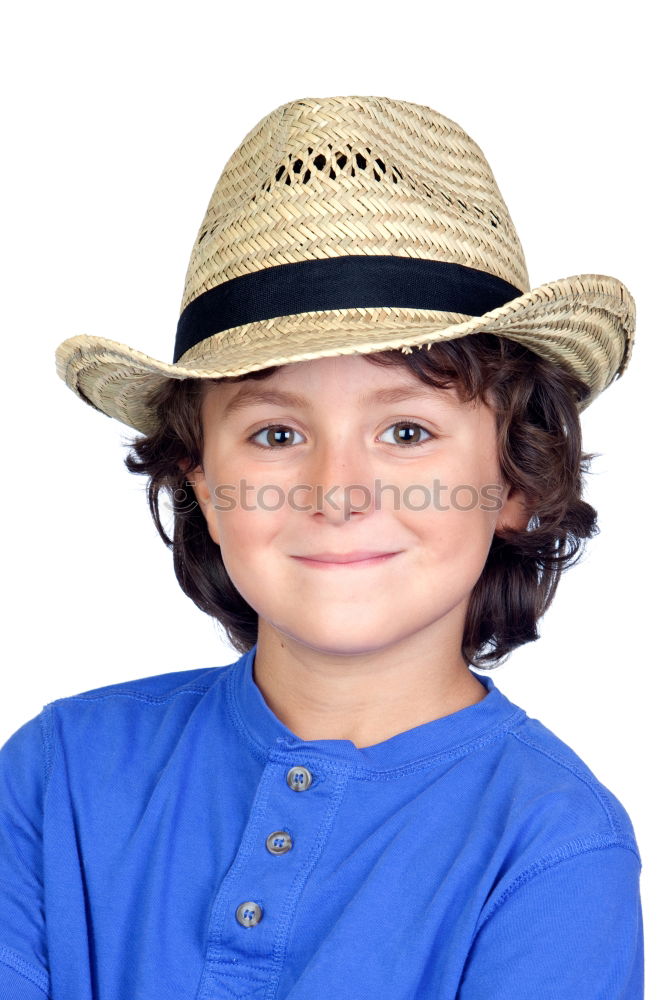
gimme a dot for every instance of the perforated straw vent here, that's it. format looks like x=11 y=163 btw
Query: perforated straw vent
x=397 y=180
x=300 y=170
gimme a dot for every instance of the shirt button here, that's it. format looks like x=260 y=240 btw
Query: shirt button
x=299 y=778
x=249 y=914
x=279 y=842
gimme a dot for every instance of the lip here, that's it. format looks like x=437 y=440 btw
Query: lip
x=359 y=558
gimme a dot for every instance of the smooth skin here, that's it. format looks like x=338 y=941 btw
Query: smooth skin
x=360 y=652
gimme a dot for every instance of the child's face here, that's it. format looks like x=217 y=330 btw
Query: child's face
x=342 y=442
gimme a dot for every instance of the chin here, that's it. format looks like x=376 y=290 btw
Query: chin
x=340 y=637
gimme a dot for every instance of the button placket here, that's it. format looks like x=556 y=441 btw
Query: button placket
x=299 y=779
x=260 y=892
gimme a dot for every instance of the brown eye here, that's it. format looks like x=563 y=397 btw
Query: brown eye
x=410 y=431
x=277 y=436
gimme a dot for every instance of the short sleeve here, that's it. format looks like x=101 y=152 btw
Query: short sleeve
x=571 y=930
x=23 y=953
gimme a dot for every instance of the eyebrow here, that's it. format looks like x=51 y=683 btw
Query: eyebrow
x=249 y=397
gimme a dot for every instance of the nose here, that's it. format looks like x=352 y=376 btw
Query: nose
x=341 y=476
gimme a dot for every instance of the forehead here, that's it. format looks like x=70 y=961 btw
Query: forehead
x=349 y=380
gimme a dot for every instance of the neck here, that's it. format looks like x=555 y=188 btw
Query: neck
x=363 y=695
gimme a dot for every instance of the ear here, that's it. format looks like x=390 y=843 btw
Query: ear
x=514 y=513
x=197 y=480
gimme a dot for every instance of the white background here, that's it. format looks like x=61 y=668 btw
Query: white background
x=118 y=121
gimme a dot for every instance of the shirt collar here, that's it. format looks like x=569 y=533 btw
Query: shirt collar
x=453 y=734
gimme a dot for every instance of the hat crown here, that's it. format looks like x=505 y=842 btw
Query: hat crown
x=354 y=225
x=340 y=176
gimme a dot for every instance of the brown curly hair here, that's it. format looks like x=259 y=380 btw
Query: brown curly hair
x=539 y=443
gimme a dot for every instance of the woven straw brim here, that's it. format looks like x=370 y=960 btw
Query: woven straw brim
x=585 y=323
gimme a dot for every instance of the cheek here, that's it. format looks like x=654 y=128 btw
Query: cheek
x=455 y=542
x=241 y=550
x=471 y=535
x=457 y=533
x=454 y=491
x=248 y=527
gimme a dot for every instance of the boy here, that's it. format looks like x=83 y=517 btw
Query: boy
x=370 y=436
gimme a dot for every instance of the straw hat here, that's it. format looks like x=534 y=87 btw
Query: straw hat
x=345 y=225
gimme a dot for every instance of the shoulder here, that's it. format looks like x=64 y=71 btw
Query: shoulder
x=564 y=805
x=99 y=706
x=134 y=718
x=154 y=688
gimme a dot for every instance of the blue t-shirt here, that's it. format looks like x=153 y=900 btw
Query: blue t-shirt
x=170 y=839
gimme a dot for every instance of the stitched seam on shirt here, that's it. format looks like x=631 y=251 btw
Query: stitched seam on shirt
x=286 y=918
x=600 y=842
x=258 y=751
x=585 y=778
x=495 y=731
x=150 y=699
x=352 y=771
x=46 y=726
x=18 y=964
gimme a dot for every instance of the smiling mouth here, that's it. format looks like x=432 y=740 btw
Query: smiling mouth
x=346 y=562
